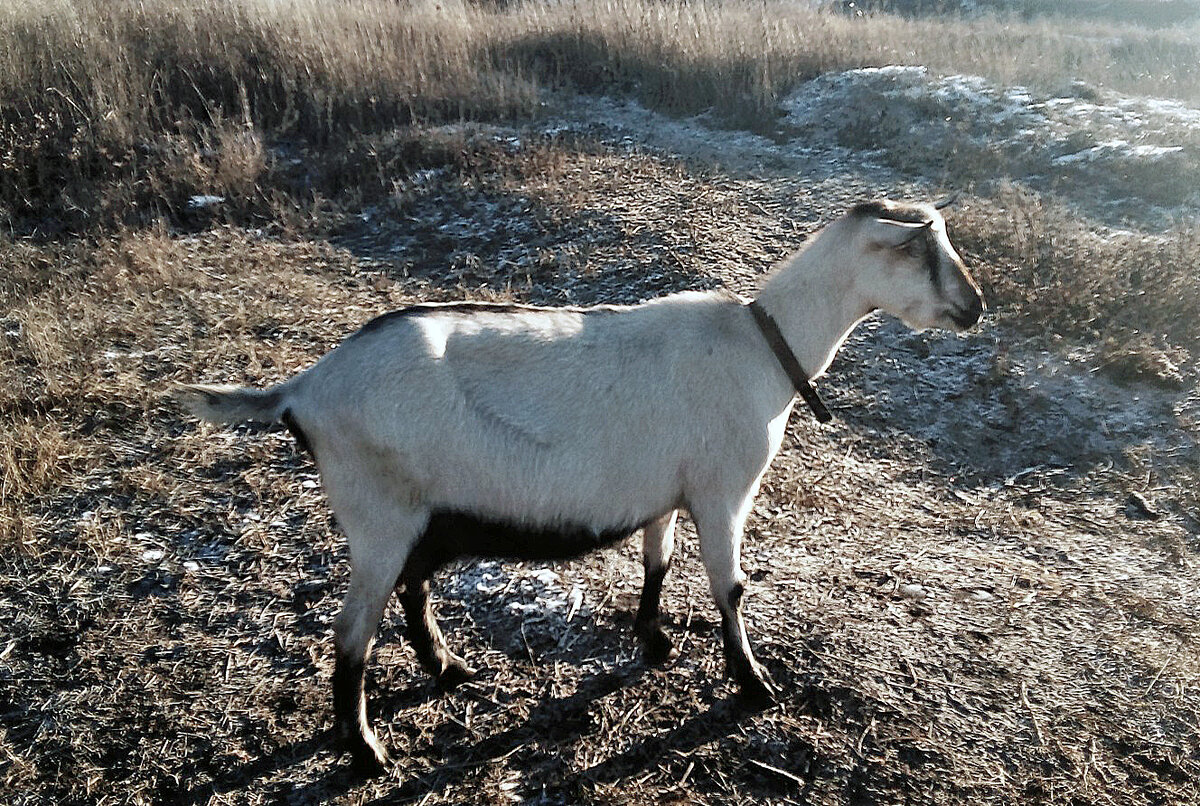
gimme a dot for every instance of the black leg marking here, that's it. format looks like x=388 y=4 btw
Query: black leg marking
x=735 y=658
x=347 y=693
x=752 y=679
x=651 y=595
x=647 y=625
x=350 y=713
x=421 y=624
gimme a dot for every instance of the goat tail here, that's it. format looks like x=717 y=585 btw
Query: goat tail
x=232 y=404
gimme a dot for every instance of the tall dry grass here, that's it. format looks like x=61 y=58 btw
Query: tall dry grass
x=1130 y=297
x=120 y=111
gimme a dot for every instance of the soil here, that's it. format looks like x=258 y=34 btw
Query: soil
x=976 y=585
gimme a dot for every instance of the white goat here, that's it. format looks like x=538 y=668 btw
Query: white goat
x=469 y=429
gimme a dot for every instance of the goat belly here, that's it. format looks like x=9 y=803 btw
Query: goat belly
x=451 y=534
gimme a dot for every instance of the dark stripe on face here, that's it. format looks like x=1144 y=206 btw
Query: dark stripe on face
x=933 y=261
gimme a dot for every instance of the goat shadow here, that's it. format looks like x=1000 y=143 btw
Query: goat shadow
x=400 y=685
x=557 y=722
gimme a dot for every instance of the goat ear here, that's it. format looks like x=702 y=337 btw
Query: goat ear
x=947 y=201
x=896 y=234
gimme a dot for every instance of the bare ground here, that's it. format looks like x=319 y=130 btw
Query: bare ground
x=976 y=586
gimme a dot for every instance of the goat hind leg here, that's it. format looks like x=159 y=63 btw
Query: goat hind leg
x=658 y=541
x=377 y=556
x=421 y=624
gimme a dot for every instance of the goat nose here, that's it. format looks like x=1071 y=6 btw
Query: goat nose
x=967 y=315
x=975 y=309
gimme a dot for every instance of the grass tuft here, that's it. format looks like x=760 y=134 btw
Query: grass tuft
x=1129 y=293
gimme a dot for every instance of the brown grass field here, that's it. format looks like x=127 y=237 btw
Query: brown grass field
x=977 y=585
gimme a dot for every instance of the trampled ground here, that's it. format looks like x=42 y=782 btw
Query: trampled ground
x=977 y=585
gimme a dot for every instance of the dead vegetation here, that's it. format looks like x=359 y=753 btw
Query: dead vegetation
x=978 y=585
x=121 y=112
x=1003 y=628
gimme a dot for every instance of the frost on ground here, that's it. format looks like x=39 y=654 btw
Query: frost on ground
x=535 y=593
x=1104 y=152
x=1067 y=415
x=977 y=585
x=1122 y=160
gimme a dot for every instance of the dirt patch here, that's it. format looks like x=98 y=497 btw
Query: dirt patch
x=950 y=582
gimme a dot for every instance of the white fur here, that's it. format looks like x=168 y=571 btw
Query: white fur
x=606 y=417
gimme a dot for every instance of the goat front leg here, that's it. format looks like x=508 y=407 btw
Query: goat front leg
x=658 y=541
x=720 y=547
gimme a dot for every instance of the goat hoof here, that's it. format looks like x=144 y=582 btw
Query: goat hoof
x=759 y=692
x=369 y=759
x=454 y=675
x=368 y=765
x=657 y=648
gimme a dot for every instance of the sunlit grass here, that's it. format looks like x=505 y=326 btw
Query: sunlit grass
x=108 y=108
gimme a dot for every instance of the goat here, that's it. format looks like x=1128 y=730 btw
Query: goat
x=509 y=431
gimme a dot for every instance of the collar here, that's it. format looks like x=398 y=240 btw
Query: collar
x=787 y=359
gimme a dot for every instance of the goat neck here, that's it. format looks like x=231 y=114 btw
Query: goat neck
x=813 y=299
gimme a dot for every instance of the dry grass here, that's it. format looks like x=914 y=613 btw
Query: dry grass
x=120 y=112
x=167 y=590
x=1118 y=292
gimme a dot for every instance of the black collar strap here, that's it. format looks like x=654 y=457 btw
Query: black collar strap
x=787 y=359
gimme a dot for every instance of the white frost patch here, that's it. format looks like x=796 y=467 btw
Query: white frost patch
x=979 y=108
x=203 y=201
x=533 y=593
x=1116 y=147
x=1004 y=411
x=705 y=138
